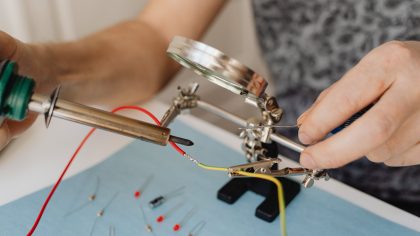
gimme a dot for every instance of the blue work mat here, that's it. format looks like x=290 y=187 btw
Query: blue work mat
x=312 y=212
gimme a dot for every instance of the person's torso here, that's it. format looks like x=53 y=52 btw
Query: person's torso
x=309 y=44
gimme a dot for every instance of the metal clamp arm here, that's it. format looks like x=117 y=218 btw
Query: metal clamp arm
x=270 y=167
x=186 y=99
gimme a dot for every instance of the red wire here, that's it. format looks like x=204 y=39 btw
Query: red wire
x=153 y=117
x=76 y=152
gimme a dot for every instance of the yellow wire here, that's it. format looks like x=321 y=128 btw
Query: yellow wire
x=211 y=167
x=280 y=196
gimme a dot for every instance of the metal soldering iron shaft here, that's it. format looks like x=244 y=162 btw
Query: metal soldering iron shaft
x=101 y=119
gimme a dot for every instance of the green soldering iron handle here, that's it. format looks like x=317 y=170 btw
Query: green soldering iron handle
x=15 y=92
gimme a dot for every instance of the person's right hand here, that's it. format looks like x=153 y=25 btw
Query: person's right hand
x=31 y=60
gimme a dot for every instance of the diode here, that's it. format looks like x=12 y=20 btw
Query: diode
x=162 y=199
x=184 y=220
x=141 y=189
x=166 y=215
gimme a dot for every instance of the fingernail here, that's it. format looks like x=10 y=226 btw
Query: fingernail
x=300 y=119
x=304 y=138
x=307 y=161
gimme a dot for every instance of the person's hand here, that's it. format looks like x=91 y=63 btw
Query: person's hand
x=30 y=59
x=389 y=78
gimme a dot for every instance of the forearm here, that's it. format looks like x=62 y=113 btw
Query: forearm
x=123 y=64
x=127 y=63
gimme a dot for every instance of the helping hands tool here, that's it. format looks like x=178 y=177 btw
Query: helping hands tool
x=232 y=75
x=17 y=97
x=257 y=132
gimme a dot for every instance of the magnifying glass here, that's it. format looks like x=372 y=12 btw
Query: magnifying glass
x=218 y=68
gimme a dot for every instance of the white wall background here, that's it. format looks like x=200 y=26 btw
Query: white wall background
x=57 y=20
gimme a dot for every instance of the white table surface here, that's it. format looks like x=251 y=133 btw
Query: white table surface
x=36 y=159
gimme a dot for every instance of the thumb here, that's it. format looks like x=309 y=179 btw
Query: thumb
x=8 y=46
x=17 y=127
x=5 y=135
x=11 y=129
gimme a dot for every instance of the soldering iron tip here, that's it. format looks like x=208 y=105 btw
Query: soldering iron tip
x=182 y=141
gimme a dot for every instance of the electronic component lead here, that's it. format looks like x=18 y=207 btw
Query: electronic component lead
x=148 y=227
x=112 y=231
x=249 y=127
x=91 y=198
x=197 y=228
x=101 y=212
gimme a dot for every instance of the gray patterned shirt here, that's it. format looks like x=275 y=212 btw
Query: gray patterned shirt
x=309 y=44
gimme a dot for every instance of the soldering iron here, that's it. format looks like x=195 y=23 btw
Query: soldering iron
x=17 y=97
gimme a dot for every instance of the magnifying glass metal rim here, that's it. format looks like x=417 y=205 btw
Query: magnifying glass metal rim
x=217 y=67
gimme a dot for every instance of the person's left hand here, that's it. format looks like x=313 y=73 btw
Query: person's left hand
x=388 y=77
x=32 y=61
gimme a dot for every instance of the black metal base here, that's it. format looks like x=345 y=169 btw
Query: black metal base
x=268 y=210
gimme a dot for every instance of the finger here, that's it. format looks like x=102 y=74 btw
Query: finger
x=365 y=134
x=18 y=127
x=11 y=129
x=357 y=89
x=408 y=158
x=302 y=117
x=5 y=135
x=404 y=138
x=8 y=46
